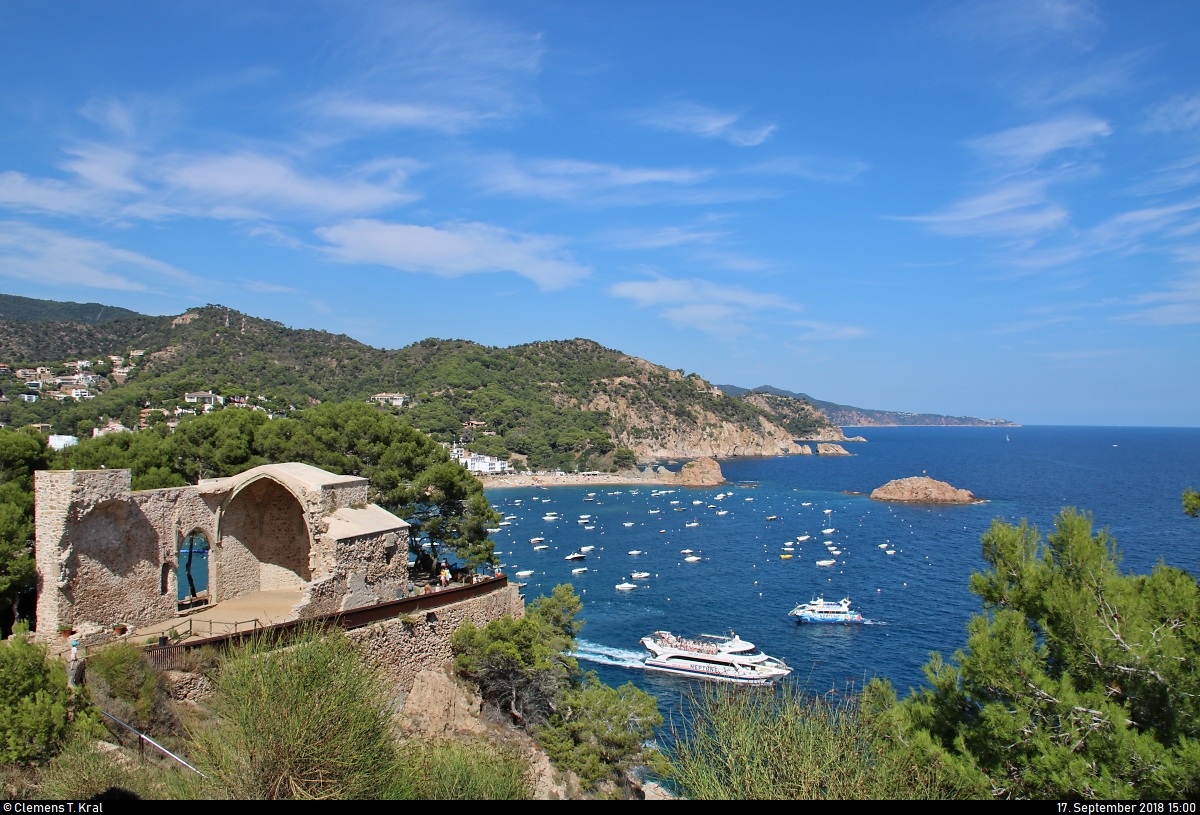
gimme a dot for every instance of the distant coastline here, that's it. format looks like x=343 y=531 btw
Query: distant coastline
x=491 y=482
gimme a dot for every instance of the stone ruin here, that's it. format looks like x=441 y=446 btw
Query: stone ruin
x=107 y=555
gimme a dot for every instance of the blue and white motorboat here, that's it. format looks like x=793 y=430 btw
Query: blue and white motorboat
x=824 y=611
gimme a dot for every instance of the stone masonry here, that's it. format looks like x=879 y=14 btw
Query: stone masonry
x=107 y=555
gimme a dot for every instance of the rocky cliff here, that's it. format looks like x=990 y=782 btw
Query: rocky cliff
x=703 y=472
x=922 y=490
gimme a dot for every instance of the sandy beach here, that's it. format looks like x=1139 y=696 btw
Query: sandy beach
x=564 y=480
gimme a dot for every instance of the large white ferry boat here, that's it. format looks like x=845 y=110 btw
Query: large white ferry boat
x=824 y=611
x=728 y=659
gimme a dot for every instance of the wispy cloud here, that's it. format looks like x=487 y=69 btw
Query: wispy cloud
x=1027 y=146
x=51 y=257
x=700 y=304
x=1023 y=25
x=1019 y=209
x=109 y=183
x=263 y=287
x=813 y=168
x=1177 y=114
x=568 y=179
x=453 y=250
x=438 y=66
x=665 y=237
x=1178 y=303
x=818 y=331
x=708 y=123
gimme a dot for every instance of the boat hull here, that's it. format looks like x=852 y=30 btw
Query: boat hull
x=843 y=619
x=712 y=672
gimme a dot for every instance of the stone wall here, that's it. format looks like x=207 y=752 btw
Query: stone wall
x=402 y=651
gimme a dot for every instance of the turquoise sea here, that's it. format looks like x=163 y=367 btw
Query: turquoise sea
x=914 y=601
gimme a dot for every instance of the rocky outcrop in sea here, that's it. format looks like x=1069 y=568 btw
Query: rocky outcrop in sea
x=922 y=489
x=703 y=472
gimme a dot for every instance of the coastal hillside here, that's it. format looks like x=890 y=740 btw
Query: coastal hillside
x=847 y=416
x=28 y=309
x=572 y=404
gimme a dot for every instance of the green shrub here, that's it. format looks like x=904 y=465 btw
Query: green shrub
x=84 y=772
x=777 y=743
x=36 y=704
x=449 y=770
x=305 y=721
x=598 y=732
x=122 y=672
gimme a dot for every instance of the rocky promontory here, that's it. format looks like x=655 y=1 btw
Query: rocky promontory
x=831 y=450
x=703 y=472
x=922 y=489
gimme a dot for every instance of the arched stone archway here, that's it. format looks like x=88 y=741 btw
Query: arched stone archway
x=264 y=542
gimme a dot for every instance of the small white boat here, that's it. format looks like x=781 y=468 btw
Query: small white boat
x=681 y=509
x=890 y=552
x=541 y=548
x=580 y=570
x=685 y=551
x=730 y=659
x=585 y=517
x=720 y=496
x=807 y=504
x=692 y=558
x=506 y=523
x=697 y=503
x=626 y=586
x=549 y=517
x=586 y=548
x=525 y=573
x=692 y=524
x=883 y=546
x=772 y=517
x=636 y=552
x=510 y=517
x=627 y=523
x=829 y=531
x=536 y=540
x=589 y=527
x=674 y=502
x=837 y=552
x=655 y=511
x=749 y=499
x=829 y=512
x=493 y=530
x=575 y=556
x=826 y=562
x=639 y=575
x=802 y=538
x=722 y=512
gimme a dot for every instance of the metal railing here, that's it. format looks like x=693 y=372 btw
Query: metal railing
x=168 y=657
x=143 y=740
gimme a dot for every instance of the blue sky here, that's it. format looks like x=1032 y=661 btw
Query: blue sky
x=989 y=208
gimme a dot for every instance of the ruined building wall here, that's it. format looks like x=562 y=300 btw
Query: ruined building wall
x=402 y=651
x=264 y=543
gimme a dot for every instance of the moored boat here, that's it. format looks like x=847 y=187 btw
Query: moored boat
x=728 y=659
x=824 y=611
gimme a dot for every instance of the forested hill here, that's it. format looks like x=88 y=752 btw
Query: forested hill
x=847 y=416
x=568 y=403
x=28 y=309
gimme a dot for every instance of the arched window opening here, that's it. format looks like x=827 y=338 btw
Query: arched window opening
x=193 y=560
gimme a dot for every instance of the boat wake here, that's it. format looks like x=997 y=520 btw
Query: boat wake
x=604 y=655
x=873 y=622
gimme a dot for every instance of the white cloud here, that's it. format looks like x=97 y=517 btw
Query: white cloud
x=110 y=183
x=453 y=250
x=48 y=256
x=1180 y=113
x=700 y=304
x=568 y=179
x=1177 y=304
x=697 y=120
x=438 y=66
x=829 y=331
x=1023 y=24
x=667 y=236
x=1018 y=209
x=244 y=182
x=263 y=287
x=442 y=118
x=1028 y=145
x=814 y=168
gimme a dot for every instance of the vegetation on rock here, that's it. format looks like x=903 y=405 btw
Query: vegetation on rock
x=1191 y=502
x=524 y=667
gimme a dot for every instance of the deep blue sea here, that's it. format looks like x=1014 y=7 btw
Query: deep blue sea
x=915 y=601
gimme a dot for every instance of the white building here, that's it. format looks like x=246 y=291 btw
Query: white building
x=112 y=427
x=59 y=442
x=479 y=464
x=207 y=398
x=393 y=399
